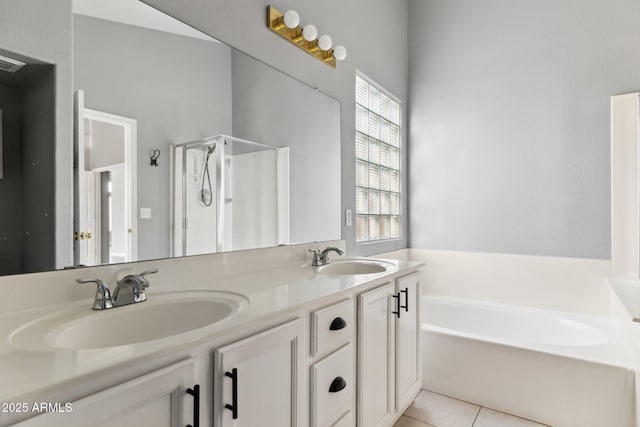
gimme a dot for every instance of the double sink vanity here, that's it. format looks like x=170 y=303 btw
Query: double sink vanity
x=243 y=326
x=281 y=343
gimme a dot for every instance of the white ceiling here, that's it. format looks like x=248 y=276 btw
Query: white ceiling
x=134 y=12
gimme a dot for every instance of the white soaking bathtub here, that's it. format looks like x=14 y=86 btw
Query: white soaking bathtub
x=556 y=368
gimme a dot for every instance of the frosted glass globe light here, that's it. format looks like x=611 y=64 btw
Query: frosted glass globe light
x=325 y=42
x=309 y=32
x=340 y=52
x=291 y=19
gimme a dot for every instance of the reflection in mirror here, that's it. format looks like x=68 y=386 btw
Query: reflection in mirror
x=105 y=196
x=229 y=194
x=26 y=188
x=169 y=83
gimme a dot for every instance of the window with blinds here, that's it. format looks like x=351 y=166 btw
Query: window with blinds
x=377 y=164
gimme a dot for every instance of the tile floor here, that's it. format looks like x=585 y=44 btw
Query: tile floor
x=435 y=410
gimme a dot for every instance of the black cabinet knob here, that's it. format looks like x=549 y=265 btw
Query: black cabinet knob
x=337 y=384
x=337 y=324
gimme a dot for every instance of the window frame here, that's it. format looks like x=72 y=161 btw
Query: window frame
x=400 y=148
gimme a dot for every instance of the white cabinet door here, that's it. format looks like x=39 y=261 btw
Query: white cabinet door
x=408 y=365
x=375 y=357
x=157 y=399
x=258 y=381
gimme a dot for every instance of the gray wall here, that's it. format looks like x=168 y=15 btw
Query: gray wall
x=10 y=194
x=509 y=122
x=41 y=29
x=306 y=121
x=377 y=46
x=177 y=88
x=37 y=169
x=27 y=229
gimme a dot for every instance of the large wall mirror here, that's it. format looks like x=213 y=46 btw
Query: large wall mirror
x=183 y=145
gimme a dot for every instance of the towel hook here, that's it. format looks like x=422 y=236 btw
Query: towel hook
x=154 y=157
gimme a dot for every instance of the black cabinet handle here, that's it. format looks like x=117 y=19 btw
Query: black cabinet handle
x=405 y=291
x=337 y=324
x=195 y=392
x=397 y=311
x=234 y=392
x=337 y=384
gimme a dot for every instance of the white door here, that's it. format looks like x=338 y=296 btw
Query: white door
x=408 y=365
x=375 y=357
x=258 y=381
x=158 y=399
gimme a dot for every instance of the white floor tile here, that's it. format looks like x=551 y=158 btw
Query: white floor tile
x=442 y=411
x=491 y=418
x=410 y=422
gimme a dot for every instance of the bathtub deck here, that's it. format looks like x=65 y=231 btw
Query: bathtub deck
x=435 y=410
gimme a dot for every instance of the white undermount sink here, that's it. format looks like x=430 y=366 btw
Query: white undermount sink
x=355 y=266
x=162 y=315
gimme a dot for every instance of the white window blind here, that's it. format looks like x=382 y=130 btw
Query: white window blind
x=377 y=164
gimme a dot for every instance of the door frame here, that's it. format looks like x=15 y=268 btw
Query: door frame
x=131 y=179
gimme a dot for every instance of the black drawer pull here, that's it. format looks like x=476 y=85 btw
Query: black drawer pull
x=337 y=384
x=195 y=392
x=337 y=324
x=405 y=291
x=234 y=392
x=397 y=311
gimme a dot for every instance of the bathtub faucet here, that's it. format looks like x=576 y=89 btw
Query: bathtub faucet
x=322 y=257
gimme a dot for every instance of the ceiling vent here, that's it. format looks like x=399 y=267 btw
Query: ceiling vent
x=10 y=65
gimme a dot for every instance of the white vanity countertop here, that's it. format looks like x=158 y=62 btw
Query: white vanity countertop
x=26 y=373
x=628 y=293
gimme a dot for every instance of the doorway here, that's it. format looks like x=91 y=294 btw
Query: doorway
x=106 y=230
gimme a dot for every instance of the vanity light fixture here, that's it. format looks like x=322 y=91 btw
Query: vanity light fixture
x=287 y=25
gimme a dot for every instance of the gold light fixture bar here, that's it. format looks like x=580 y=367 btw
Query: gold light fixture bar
x=275 y=22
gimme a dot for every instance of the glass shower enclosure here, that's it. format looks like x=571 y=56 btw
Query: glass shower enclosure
x=227 y=194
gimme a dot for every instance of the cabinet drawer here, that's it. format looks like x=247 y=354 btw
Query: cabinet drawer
x=347 y=420
x=332 y=387
x=332 y=327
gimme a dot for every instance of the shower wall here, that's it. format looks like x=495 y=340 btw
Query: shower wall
x=254 y=200
x=201 y=234
x=201 y=226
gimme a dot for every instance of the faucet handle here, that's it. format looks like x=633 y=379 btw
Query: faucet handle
x=142 y=283
x=103 y=296
x=152 y=271
x=316 y=257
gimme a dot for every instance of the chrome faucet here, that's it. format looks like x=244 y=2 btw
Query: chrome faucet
x=322 y=257
x=103 y=296
x=129 y=290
